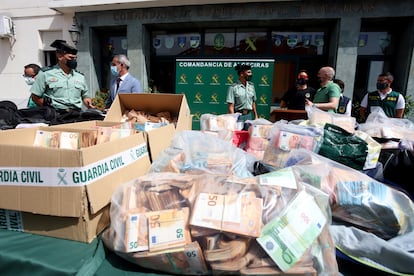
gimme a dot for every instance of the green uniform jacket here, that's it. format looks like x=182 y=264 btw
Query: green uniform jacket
x=388 y=104
x=64 y=91
x=241 y=96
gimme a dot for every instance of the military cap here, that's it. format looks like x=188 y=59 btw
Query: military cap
x=62 y=46
x=242 y=67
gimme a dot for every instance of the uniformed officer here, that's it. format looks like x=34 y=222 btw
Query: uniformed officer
x=61 y=86
x=241 y=96
x=386 y=98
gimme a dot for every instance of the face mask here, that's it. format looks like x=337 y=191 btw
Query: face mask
x=29 y=80
x=114 y=71
x=381 y=85
x=249 y=77
x=301 y=81
x=72 y=64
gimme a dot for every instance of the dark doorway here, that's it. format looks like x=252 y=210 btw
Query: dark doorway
x=111 y=41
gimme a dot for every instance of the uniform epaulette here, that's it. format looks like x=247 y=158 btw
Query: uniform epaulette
x=79 y=72
x=46 y=68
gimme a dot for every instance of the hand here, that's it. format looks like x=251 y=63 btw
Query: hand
x=88 y=102
x=308 y=102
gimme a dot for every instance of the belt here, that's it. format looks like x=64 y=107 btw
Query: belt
x=244 y=111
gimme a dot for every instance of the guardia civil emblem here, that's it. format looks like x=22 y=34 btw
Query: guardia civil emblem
x=215 y=80
x=199 y=79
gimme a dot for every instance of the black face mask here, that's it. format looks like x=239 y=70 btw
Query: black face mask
x=301 y=81
x=248 y=78
x=72 y=64
x=381 y=85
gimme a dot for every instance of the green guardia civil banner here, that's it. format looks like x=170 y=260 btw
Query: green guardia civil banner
x=205 y=82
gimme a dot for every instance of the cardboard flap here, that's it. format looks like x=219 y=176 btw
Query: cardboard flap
x=152 y=103
x=159 y=139
x=186 y=120
x=100 y=191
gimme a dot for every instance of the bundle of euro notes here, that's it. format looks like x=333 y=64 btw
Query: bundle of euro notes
x=76 y=138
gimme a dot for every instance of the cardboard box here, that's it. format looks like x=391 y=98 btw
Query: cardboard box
x=64 y=193
x=158 y=139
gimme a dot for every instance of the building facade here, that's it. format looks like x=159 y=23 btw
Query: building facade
x=360 y=39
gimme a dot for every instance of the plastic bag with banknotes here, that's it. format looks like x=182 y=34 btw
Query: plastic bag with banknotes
x=318 y=117
x=204 y=224
x=195 y=152
x=355 y=198
x=285 y=136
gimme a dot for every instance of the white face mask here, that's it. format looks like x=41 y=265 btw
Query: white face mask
x=29 y=80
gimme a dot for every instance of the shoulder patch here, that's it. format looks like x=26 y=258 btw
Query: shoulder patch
x=46 y=68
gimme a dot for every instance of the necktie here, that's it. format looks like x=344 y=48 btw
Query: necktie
x=118 y=81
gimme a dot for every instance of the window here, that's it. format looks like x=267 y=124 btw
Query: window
x=47 y=38
x=50 y=58
x=373 y=43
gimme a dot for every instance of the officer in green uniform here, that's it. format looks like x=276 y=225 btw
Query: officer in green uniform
x=241 y=96
x=61 y=86
x=390 y=101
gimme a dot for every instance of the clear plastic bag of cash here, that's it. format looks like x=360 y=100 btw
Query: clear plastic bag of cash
x=318 y=117
x=387 y=130
x=285 y=136
x=227 y=247
x=196 y=152
x=355 y=198
x=373 y=223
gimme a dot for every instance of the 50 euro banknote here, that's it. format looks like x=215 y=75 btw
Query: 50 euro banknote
x=188 y=260
x=236 y=213
x=157 y=230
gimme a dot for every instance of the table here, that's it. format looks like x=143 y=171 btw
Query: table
x=287 y=114
x=30 y=254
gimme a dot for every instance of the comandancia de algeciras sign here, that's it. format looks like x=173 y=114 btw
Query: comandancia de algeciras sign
x=205 y=83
